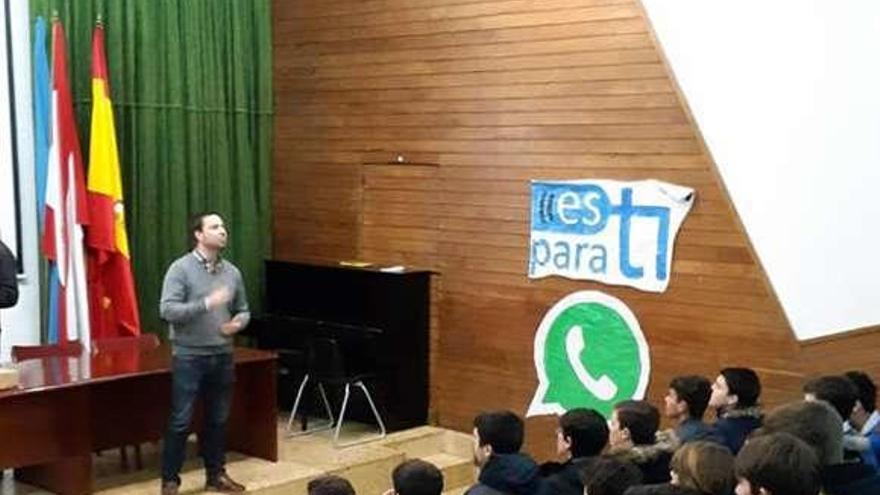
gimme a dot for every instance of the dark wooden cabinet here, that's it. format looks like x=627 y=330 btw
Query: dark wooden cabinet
x=67 y=408
x=393 y=308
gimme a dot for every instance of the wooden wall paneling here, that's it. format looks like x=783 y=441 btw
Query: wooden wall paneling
x=492 y=94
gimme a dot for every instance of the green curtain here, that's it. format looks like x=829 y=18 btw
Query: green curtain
x=191 y=83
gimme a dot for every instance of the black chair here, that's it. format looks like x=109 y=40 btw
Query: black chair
x=329 y=365
x=286 y=336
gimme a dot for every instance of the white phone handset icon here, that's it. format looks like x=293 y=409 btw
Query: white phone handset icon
x=603 y=388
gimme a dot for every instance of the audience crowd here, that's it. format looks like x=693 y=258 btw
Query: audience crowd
x=826 y=444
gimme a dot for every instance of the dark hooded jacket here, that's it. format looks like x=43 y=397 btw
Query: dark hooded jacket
x=509 y=474
x=850 y=478
x=564 y=478
x=662 y=489
x=735 y=425
x=694 y=429
x=8 y=282
x=652 y=460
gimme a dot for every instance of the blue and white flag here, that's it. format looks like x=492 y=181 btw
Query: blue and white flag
x=618 y=233
x=43 y=138
x=42 y=113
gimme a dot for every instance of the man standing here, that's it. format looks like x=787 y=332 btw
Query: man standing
x=8 y=283
x=204 y=302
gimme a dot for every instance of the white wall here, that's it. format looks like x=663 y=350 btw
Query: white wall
x=787 y=96
x=21 y=324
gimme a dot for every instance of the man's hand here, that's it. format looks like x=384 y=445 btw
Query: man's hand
x=231 y=327
x=218 y=297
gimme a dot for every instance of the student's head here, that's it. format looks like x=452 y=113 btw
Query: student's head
x=816 y=423
x=777 y=464
x=417 y=477
x=735 y=388
x=207 y=231
x=867 y=397
x=633 y=422
x=687 y=397
x=497 y=432
x=703 y=466
x=330 y=485
x=582 y=433
x=836 y=390
x=608 y=476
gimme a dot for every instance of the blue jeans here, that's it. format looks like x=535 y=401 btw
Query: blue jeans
x=211 y=377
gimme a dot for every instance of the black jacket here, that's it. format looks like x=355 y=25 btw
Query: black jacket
x=694 y=429
x=850 y=478
x=509 y=474
x=8 y=282
x=565 y=478
x=735 y=425
x=661 y=489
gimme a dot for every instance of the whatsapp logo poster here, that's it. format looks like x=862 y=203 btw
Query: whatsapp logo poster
x=589 y=352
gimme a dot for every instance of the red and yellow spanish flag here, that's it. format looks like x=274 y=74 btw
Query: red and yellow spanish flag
x=113 y=300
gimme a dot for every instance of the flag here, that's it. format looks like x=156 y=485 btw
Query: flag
x=42 y=112
x=113 y=301
x=66 y=211
x=42 y=142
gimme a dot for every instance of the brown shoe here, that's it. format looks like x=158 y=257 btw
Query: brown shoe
x=170 y=488
x=224 y=484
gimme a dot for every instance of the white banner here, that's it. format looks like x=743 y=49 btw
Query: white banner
x=619 y=233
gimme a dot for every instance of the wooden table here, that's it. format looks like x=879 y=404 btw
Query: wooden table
x=67 y=408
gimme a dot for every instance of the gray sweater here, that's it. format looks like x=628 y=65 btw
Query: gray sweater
x=193 y=329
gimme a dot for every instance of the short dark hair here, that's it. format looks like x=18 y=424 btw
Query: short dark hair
x=744 y=383
x=330 y=485
x=586 y=429
x=867 y=391
x=417 y=477
x=816 y=423
x=609 y=476
x=196 y=222
x=836 y=390
x=695 y=390
x=502 y=430
x=781 y=463
x=641 y=418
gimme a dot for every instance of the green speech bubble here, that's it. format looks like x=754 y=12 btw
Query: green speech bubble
x=589 y=352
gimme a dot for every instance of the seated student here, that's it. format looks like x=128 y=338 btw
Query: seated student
x=735 y=400
x=698 y=468
x=633 y=437
x=330 y=485
x=416 y=477
x=582 y=435
x=498 y=436
x=864 y=420
x=836 y=390
x=608 y=476
x=685 y=403
x=777 y=464
x=820 y=427
x=841 y=394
